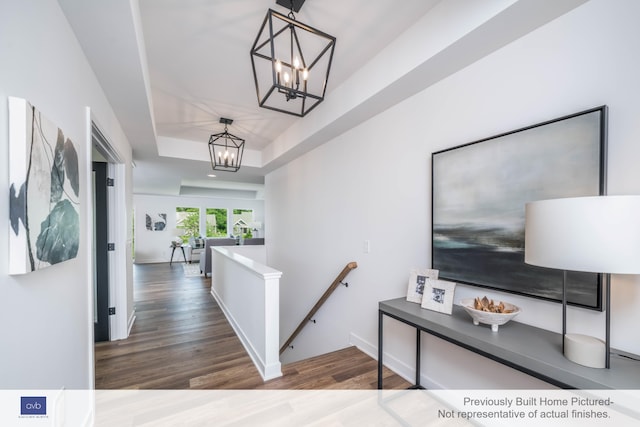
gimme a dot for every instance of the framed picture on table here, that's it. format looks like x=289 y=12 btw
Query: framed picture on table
x=417 y=280
x=438 y=296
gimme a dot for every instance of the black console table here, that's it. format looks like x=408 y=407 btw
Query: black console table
x=532 y=350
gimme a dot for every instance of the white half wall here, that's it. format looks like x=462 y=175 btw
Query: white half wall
x=257 y=253
x=373 y=183
x=247 y=291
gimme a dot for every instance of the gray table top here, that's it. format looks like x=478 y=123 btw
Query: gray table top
x=535 y=351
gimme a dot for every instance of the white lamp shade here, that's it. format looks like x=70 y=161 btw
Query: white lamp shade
x=595 y=234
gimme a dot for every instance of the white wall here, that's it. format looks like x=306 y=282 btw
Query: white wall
x=321 y=207
x=46 y=321
x=154 y=246
x=257 y=253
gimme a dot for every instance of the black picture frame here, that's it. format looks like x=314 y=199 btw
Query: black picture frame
x=479 y=190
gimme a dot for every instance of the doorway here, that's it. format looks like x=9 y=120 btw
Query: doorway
x=100 y=252
x=110 y=266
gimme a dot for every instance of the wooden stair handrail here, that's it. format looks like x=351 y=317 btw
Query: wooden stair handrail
x=338 y=280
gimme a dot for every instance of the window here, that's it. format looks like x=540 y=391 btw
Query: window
x=188 y=219
x=216 y=222
x=243 y=222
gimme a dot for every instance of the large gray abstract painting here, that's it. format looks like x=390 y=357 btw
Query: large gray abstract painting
x=479 y=194
x=44 y=191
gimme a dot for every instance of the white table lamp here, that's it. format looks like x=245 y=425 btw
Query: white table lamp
x=593 y=234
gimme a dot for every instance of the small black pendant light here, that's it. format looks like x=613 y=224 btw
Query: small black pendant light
x=225 y=149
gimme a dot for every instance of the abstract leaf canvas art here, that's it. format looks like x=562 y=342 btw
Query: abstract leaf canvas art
x=44 y=191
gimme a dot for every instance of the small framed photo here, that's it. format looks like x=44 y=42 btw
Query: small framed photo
x=438 y=295
x=417 y=280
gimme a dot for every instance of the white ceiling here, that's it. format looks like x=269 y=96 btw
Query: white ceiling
x=172 y=68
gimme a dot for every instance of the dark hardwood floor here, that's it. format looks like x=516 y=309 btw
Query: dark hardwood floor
x=182 y=340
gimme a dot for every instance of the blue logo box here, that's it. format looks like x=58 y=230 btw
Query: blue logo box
x=33 y=405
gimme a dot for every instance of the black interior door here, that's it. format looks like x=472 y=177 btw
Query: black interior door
x=100 y=256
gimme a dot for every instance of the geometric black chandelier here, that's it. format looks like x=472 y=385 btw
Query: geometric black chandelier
x=225 y=149
x=291 y=62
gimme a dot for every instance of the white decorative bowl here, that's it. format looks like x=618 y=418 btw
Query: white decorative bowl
x=488 y=318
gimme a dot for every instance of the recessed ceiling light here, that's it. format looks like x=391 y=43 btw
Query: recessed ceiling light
x=211 y=175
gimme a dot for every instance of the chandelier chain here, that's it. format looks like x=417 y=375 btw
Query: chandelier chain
x=290 y=14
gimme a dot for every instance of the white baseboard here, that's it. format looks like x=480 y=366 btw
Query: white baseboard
x=132 y=319
x=404 y=370
x=267 y=372
x=153 y=260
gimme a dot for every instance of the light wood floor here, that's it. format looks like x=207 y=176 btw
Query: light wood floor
x=181 y=340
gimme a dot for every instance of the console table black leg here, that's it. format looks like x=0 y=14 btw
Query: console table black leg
x=418 y=358
x=172 y=252
x=379 y=350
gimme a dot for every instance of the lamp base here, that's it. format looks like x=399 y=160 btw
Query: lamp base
x=585 y=350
